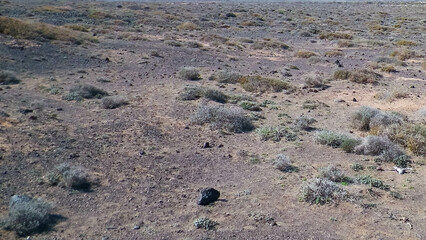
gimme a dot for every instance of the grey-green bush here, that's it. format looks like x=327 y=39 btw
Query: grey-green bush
x=229 y=118
x=112 y=102
x=332 y=173
x=190 y=73
x=379 y=146
x=191 y=93
x=215 y=95
x=225 y=76
x=27 y=215
x=321 y=191
x=283 y=163
x=303 y=123
x=70 y=176
x=204 y=223
x=85 y=91
x=8 y=77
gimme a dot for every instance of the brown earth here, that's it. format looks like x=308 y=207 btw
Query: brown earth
x=146 y=158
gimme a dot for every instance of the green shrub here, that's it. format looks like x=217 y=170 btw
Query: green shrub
x=373 y=182
x=27 y=215
x=275 y=133
x=204 y=223
x=8 y=77
x=357 y=167
x=361 y=118
x=190 y=73
x=232 y=119
x=321 y=191
x=251 y=106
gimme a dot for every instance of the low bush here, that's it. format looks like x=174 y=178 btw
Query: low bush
x=334 y=36
x=251 y=106
x=229 y=118
x=263 y=84
x=379 y=146
x=332 y=173
x=335 y=139
x=225 y=76
x=362 y=76
x=69 y=176
x=27 y=215
x=38 y=31
x=357 y=167
x=410 y=135
x=85 y=91
x=361 y=118
x=8 y=77
x=275 y=133
x=406 y=43
x=304 y=54
x=303 y=123
x=191 y=93
x=112 y=102
x=204 y=223
x=187 y=26
x=215 y=95
x=283 y=163
x=190 y=73
x=373 y=182
x=321 y=191
x=403 y=54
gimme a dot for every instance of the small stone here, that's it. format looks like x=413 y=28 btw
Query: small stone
x=354 y=100
x=136 y=227
x=208 y=195
x=206 y=145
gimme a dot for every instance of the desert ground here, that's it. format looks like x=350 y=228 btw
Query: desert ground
x=114 y=115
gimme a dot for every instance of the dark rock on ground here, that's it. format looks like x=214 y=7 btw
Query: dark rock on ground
x=208 y=195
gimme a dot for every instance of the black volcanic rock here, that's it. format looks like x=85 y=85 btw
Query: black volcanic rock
x=208 y=195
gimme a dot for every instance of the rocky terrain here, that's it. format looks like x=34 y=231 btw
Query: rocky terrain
x=115 y=115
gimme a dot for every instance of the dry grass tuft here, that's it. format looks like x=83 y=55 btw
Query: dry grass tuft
x=304 y=54
x=187 y=26
x=263 y=84
x=37 y=31
x=335 y=35
x=362 y=76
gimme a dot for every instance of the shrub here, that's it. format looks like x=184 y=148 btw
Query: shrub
x=225 y=76
x=215 y=95
x=362 y=76
x=262 y=84
x=345 y=43
x=191 y=93
x=86 y=91
x=361 y=118
x=32 y=30
x=334 y=139
x=69 y=176
x=275 y=133
x=190 y=73
x=357 y=167
x=412 y=136
x=303 y=123
x=334 y=53
x=334 y=35
x=304 y=54
x=405 y=43
x=332 y=173
x=388 y=69
x=313 y=104
x=283 y=163
x=251 y=106
x=403 y=54
x=321 y=191
x=381 y=119
x=341 y=75
x=379 y=146
x=205 y=223
x=193 y=44
x=314 y=82
x=27 y=215
x=7 y=77
x=271 y=44
x=187 y=26
x=232 y=119
x=112 y=102
x=373 y=182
